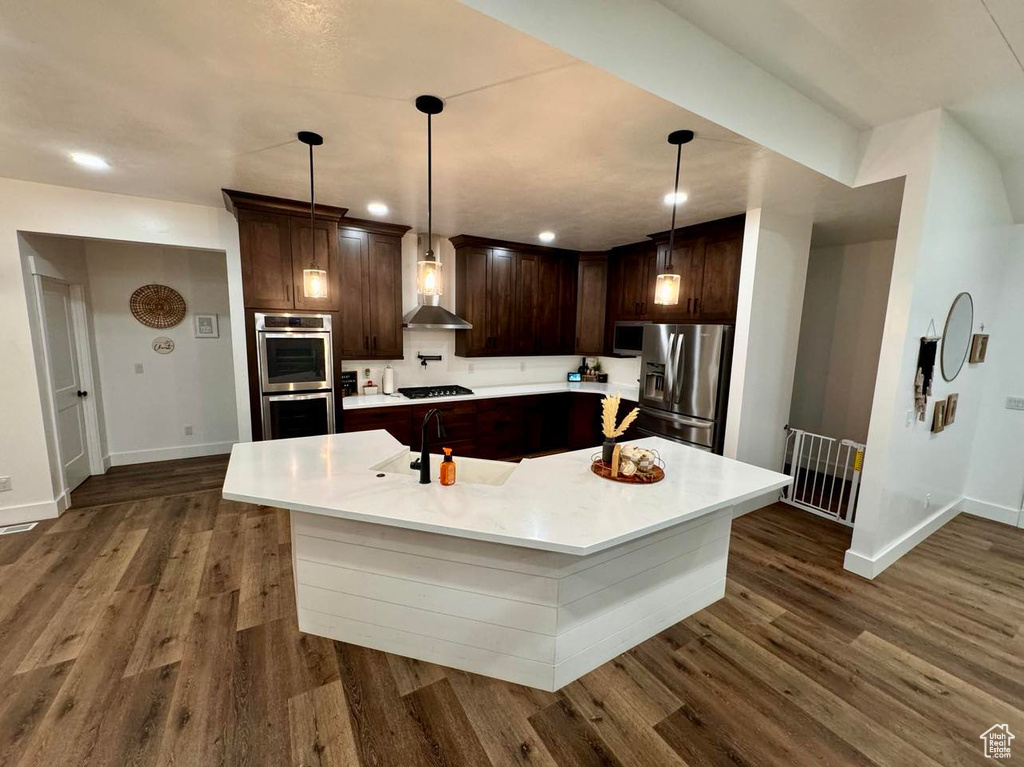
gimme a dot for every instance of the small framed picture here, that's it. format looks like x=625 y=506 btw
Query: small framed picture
x=951 y=401
x=207 y=326
x=939 y=417
x=979 y=348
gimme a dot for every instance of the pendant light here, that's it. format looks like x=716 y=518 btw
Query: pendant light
x=314 y=279
x=429 y=284
x=666 y=288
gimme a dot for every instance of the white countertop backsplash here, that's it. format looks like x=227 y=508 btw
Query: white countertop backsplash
x=479 y=373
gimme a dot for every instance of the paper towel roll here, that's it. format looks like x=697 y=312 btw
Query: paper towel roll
x=388 y=380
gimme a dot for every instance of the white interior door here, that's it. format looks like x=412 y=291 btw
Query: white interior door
x=65 y=381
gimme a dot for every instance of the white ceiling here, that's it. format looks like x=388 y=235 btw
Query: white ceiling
x=874 y=61
x=187 y=97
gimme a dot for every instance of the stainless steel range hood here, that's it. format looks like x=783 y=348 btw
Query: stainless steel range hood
x=429 y=314
x=432 y=316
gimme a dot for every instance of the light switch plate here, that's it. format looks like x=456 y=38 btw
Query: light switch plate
x=5 y=484
x=1015 y=403
x=139 y=370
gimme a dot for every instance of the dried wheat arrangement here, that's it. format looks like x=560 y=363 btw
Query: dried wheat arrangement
x=609 y=409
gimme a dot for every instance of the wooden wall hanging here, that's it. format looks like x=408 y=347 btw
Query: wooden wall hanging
x=157 y=306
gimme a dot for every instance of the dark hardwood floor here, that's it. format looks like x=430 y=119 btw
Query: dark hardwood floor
x=151 y=480
x=161 y=632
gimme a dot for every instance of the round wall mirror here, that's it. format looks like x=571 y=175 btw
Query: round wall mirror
x=956 y=338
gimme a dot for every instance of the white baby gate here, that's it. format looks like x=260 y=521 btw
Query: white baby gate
x=825 y=472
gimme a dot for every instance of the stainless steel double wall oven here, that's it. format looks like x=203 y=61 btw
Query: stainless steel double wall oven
x=295 y=373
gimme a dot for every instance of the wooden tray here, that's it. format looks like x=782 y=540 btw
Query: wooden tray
x=601 y=469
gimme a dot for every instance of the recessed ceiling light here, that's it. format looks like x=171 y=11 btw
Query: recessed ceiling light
x=680 y=198
x=546 y=236
x=90 y=161
x=377 y=208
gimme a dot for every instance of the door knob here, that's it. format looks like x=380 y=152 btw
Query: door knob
x=83 y=393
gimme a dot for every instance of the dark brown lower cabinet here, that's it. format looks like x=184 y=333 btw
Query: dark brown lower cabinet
x=499 y=428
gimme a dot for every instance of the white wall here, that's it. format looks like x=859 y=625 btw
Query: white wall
x=840 y=337
x=470 y=372
x=772 y=279
x=30 y=207
x=952 y=238
x=145 y=414
x=995 y=484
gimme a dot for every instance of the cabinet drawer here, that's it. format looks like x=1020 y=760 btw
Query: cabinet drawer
x=397 y=421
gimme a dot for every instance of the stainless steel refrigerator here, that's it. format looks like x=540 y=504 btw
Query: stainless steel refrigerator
x=684 y=383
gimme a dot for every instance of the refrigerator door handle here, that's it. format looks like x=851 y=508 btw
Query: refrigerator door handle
x=693 y=424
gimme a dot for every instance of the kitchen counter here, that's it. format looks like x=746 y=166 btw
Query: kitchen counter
x=534 y=573
x=553 y=503
x=626 y=391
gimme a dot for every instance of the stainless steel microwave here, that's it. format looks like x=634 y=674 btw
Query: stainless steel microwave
x=628 y=339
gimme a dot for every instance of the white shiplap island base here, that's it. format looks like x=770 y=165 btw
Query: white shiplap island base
x=536 y=579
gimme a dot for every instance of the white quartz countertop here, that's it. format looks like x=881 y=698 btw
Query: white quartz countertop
x=554 y=503
x=626 y=391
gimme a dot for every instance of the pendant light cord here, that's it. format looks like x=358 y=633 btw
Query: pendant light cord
x=312 y=208
x=675 y=195
x=430 y=191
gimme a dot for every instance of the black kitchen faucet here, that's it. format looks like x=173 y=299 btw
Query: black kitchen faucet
x=423 y=462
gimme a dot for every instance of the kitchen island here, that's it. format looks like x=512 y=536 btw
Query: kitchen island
x=534 y=572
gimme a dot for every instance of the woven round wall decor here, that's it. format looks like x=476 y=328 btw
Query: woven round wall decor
x=158 y=306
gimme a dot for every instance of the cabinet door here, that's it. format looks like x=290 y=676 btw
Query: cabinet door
x=720 y=288
x=265 y=242
x=591 y=294
x=385 y=296
x=353 y=331
x=471 y=265
x=501 y=298
x=528 y=283
x=324 y=237
x=547 y=307
x=630 y=301
x=568 y=267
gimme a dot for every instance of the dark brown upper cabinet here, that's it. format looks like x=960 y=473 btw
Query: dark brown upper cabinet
x=276 y=242
x=370 y=271
x=546 y=302
x=591 y=298
x=721 y=283
x=707 y=258
x=266 y=246
x=520 y=299
x=501 y=301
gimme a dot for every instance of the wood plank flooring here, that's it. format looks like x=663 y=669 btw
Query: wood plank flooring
x=152 y=480
x=161 y=631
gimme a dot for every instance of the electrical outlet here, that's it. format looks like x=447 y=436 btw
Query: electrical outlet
x=927 y=501
x=471 y=367
x=5 y=484
x=188 y=431
x=1015 y=403
x=139 y=370
x=522 y=367
x=910 y=418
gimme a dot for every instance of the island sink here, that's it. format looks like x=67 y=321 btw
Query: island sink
x=534 y=572
x=470 y=471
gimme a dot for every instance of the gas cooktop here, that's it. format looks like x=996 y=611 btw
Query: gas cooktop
x=424 y=392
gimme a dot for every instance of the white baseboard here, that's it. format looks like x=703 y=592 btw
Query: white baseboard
x=870 y=567
x=31 y=512
x=169 y=453
x=1004 y=514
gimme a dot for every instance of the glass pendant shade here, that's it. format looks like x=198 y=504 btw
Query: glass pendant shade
x=314 y=283
x=428 y=278
x=666 y=289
